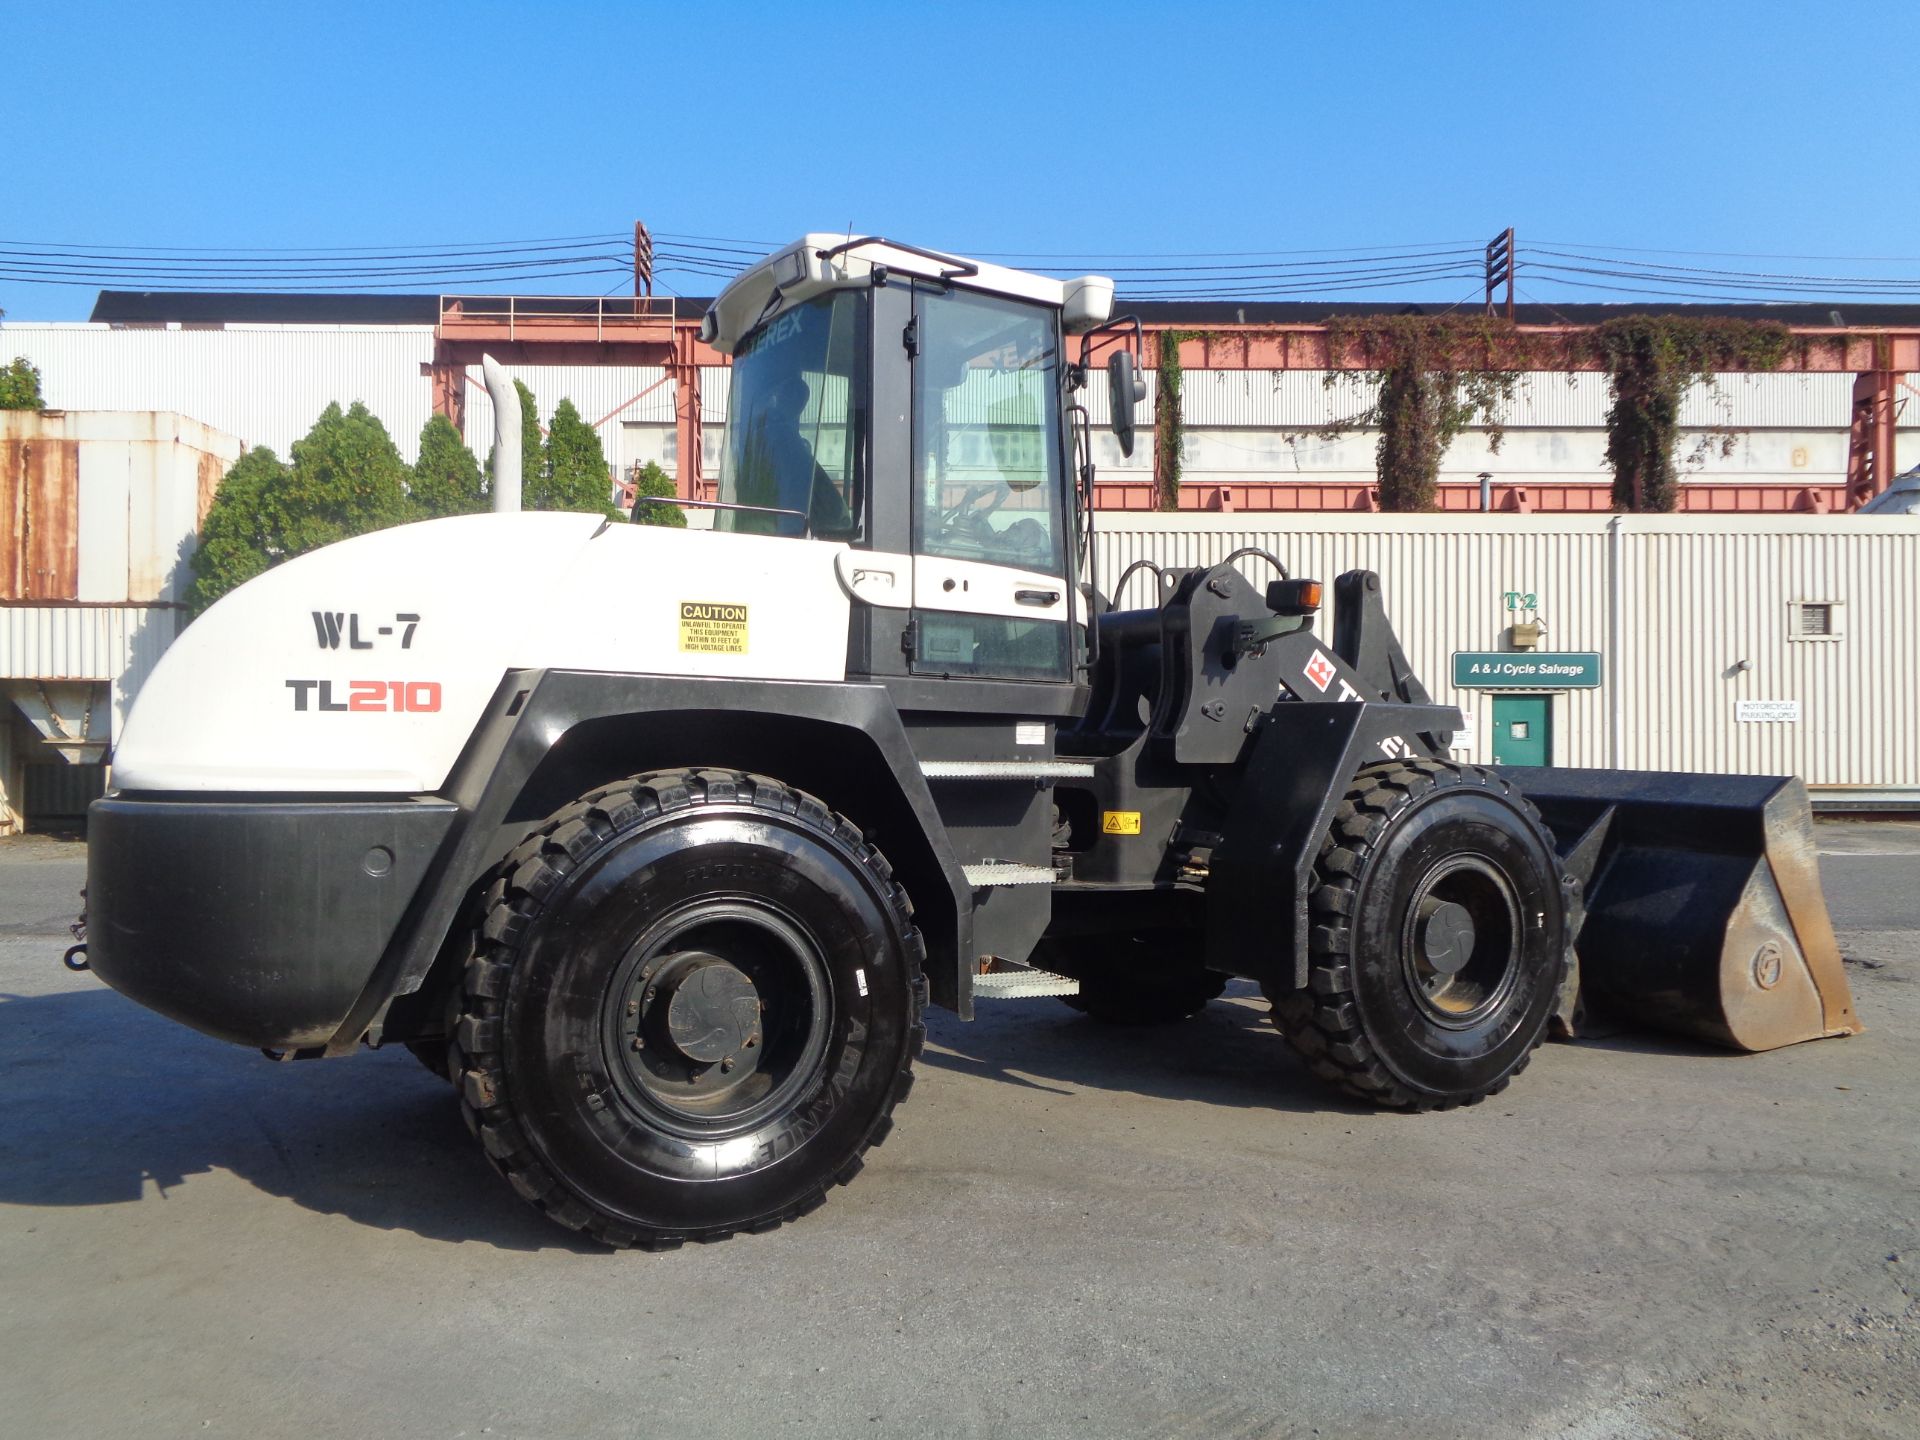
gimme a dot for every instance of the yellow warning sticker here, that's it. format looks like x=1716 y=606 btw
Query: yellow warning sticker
x=1119 y=822
x=713 y=629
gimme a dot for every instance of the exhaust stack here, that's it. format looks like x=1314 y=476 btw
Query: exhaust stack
x=506 y=435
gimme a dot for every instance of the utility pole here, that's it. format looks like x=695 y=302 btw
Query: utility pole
x=1500 y=270
x=643 y=259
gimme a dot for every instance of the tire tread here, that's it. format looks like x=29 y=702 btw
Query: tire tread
x=514 y=894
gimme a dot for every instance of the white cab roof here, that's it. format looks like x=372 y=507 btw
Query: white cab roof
x=811 y=266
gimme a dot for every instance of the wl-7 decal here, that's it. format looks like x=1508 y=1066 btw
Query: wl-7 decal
x=330 y=626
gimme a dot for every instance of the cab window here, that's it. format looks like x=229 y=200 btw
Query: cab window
x=797 y=423
x=987 y=432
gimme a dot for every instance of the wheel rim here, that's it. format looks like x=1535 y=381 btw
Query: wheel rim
x=1460 y=941
x=716 y=1018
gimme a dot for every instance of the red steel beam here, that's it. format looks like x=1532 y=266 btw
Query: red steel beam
x=1829 y=349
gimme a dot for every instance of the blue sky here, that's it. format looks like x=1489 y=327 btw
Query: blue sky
x=1066 y=130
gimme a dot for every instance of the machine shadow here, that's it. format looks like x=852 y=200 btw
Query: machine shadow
x=1228 y=1054
x=101 y=1101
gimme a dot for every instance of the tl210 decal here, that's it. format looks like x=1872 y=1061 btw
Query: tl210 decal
x=416 y=697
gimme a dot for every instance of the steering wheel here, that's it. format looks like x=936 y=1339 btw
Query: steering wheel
x=964 y=514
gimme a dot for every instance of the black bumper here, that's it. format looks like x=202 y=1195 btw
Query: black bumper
x=260 y=922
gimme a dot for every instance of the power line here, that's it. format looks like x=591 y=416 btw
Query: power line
x=373 y=252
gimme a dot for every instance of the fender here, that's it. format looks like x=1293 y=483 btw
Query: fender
x=550 y=735
x=1304 y=758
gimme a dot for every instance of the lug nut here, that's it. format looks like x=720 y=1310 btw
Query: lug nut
x=726 y=1065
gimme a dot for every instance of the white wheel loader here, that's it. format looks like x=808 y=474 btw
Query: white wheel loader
x=657 y=842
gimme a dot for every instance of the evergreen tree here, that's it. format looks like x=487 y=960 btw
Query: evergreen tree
x=446 y=479
x=346 y=479
x=20 y=386
x=245 y=530
x=575 y=475
x=652 y=480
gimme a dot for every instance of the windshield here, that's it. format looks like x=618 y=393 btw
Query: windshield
x=987 y=424
x=796 y=423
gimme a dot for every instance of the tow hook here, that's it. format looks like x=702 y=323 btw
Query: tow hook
x=76 y=956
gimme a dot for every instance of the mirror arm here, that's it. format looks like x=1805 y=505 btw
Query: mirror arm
x=1078 y=414
x=1118 y=323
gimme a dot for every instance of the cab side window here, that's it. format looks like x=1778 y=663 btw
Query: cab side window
x=987 y=433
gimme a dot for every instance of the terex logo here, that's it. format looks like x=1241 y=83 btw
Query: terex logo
x=330 y=626
x=1320 y=670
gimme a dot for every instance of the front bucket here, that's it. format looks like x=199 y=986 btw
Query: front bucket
x=1702 y=901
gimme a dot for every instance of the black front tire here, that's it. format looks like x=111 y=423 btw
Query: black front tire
x=695 y=1000
x=1437 y=939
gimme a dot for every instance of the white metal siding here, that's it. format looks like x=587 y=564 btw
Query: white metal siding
x=1699 y=596
x=265 y=385
x=603 y=394
x=117 y=644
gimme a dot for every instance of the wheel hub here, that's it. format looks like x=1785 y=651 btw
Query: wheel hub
x=716 y=1017
x=1460 y=944
x=1446 y=935
x=712 y=1009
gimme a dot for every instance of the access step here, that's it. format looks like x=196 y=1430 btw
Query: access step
x=1022 y=983
x=1007 y=769
x=991 y=873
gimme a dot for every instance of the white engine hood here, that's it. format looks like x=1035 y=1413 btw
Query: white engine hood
x=365 y=666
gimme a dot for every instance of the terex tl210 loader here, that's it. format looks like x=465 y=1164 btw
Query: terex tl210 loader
x=657 y=842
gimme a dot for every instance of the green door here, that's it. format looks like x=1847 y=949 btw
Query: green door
x=1522 y=730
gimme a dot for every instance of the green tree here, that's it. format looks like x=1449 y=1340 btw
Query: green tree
x=346 y=479
x=245 y=530
x=652 y=480
x=20 y=386
x=575 y=475
x=446 y=479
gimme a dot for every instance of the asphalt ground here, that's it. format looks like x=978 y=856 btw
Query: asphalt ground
x=1073 y=1231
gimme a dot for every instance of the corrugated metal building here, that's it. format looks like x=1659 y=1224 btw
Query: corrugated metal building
x=99 y=515
x=1768 y=644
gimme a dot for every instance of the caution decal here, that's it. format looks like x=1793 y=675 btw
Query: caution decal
x=1120 y=822
x=713 y=629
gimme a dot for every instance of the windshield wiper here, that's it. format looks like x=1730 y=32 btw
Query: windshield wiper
x=806 y=523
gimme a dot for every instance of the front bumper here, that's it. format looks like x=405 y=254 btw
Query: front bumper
x=259 y=922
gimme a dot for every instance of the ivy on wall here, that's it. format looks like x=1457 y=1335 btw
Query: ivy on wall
x=1651 y=360
x=1434 y=376
x=1169 y=428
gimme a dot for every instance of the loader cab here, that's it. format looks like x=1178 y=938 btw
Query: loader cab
x=913 y=406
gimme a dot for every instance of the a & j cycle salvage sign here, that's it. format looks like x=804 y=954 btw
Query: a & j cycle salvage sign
x=1526 y=669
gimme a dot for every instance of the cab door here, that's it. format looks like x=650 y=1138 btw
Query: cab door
x=990 y=527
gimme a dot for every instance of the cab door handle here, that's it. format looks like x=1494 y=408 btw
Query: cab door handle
x=1037 y=597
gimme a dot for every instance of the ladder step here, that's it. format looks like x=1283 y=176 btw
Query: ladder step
x=1007 y=769
x=1002 y=872
x=1022 y=985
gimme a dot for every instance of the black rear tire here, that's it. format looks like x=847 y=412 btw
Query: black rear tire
x=1437 y=939
x=433 y=1055
x=1152 y=978
x=695 y=1000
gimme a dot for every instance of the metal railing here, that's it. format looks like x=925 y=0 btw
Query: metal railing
x=513 y=313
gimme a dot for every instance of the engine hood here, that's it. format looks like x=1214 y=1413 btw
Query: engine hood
x=365 y=666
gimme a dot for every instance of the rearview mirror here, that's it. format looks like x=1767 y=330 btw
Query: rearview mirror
x=1124 y=391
